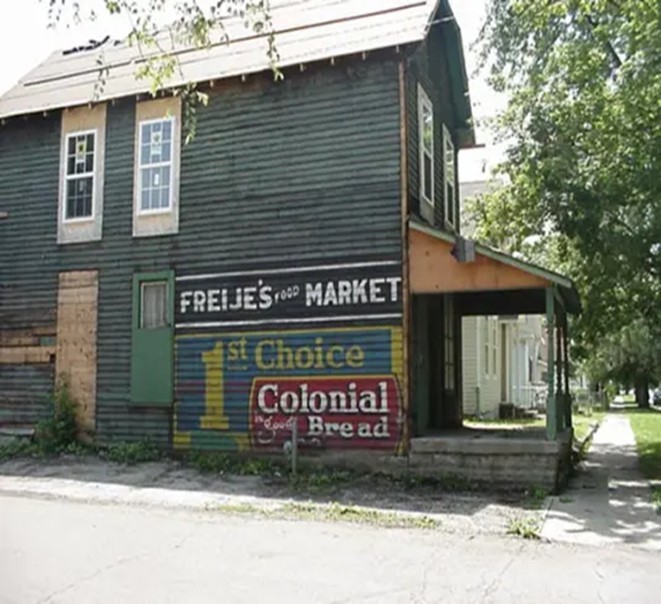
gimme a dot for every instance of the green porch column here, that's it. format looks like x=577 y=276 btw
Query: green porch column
x=551 y=411
x=565 y=342
x=560 y=392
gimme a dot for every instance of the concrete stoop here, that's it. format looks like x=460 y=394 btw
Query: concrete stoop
x=493 y=461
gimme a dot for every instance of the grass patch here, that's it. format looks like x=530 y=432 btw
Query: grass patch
x=131 y=453
x=646 y=425
x=583 y=423
x=523 y=422
x=334 y=512
x=215 y=462
x=535 y=497
x=322 y=480
x=656 y=499
x=18 y=448
x=526 y=528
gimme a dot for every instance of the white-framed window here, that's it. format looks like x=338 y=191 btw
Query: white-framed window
x=155 y=165
x=449 y=179
x=449 y=337
x=494 y=347
x=154 y=304
x=490 y=345
x=426 y=143
x=80 y=152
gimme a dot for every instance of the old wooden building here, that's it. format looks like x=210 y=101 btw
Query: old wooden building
x=293 y=263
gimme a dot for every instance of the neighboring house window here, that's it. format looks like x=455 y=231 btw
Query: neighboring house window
x=449 y=178
x=156 y=170
x=426 y=141
x=449 y=344
x=82 y=151
x=155 y=165
x=490 y=345
x=487 y=345
x=79 y=175
x=494 y=347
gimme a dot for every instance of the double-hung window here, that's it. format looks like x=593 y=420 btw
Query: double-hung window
x=155 y=169
x=426 y=142
x=79 y=175
x=449 y=175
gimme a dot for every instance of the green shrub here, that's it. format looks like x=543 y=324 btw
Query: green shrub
x=131 y=453
x=209 y=462
x=58 y=431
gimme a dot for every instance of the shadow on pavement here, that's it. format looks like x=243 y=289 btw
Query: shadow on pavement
x=608 y=502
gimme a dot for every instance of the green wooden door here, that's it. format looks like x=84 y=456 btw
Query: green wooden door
x=152 y=349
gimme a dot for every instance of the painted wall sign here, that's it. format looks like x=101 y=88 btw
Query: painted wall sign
x=244 y=390
x=325 y=293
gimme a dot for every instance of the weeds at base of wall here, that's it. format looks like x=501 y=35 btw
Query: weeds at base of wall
x=526 y=528
x=306 y=479
x=131 y=453
x=56 y=433
x=212 y=462
x=59 y=431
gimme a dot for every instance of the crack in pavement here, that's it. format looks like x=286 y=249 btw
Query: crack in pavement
x=90 y=576
x=495 y=583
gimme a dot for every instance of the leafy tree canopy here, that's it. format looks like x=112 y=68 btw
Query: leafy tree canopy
x=583 y=172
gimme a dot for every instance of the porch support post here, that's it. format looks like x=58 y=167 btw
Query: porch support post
x=565 y=354
x=551 y=410
x=560 y=393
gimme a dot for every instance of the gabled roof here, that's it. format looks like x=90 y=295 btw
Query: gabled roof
x=492 y=271
x=306 y=31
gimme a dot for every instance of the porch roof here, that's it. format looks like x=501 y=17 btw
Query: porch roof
x=494 y=283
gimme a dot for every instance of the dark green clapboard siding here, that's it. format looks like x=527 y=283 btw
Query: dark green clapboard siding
x=25 y=394
x=28 y=193
x=428 y=66
x=301 y=171
x=28 y=274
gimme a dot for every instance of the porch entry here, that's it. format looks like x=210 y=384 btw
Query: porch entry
x=451 y=278
x=435 y=354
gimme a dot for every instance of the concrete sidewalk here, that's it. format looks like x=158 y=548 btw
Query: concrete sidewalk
x=608 y=503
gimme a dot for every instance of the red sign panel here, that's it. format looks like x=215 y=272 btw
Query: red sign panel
x=356 y=412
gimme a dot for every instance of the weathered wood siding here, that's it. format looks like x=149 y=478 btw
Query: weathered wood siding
x=428 y=67
x=305 y=171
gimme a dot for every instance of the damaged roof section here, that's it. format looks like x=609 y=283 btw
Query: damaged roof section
x=305 y=31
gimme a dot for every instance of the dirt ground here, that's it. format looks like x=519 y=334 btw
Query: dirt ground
x=176 y=483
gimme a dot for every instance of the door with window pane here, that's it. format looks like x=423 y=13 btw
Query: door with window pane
x=153 y=339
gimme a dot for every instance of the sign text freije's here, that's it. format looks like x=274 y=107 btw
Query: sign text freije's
x=351 y=290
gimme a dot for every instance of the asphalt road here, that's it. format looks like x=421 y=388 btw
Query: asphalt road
x=60 y=551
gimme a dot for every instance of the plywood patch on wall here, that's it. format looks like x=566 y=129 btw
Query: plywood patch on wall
x=76 y=340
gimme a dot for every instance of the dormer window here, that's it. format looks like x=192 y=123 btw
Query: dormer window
x=426 y=143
